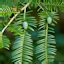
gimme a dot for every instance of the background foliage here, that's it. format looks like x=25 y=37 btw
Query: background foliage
x=40 y=40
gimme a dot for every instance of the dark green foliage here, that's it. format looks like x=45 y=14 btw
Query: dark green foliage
x=35 y=43
x=22 y=49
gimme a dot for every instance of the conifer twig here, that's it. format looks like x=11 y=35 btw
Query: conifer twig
x=15 y=16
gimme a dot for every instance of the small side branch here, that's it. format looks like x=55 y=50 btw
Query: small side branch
x=15 y=16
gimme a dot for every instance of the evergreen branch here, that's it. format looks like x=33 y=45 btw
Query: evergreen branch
x=15 y=16
x=46 y=43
